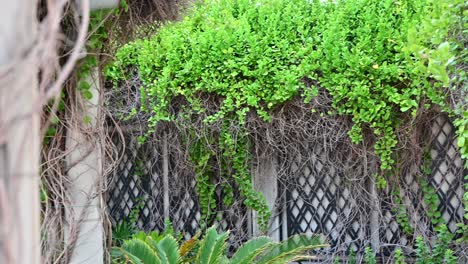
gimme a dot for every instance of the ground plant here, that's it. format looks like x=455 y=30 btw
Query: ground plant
x=156 y=248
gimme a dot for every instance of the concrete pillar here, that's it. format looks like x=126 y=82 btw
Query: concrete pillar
x=19 y=135
x=84 y=164
x=265 y=178
x=85 y=175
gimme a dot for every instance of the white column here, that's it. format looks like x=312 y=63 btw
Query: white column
x=265 y=181
x=85 y=175
x=19 y=135
x=84 y=164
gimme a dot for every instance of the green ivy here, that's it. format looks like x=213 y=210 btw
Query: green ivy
x=238 y=151
x=440 y=252
x=352 y=258
x=236 y=156
x=139 y=168
x=431 y=200
x=95 y=43
x=399 y=257
x=380 y=60
x=401 y=215
x=380 y=181
x=369 y=256
x=422 y=251
x=462 y=136
x=430 y=197
x=201 y=155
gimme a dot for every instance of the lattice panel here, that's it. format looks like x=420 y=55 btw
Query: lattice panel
x=447 y=179
x=186 y=212
x=136 y=182
x=351 y=224
x=447 y=172
x=318 y=202
x=319 y=198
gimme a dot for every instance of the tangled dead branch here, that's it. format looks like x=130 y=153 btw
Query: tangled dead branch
x=60 y=220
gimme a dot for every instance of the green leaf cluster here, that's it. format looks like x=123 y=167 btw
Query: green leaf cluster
x=369 y=256
x=440 y=252
x=97 y=35
x=462 y=136
x=401 y=214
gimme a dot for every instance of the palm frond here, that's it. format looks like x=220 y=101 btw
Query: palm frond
x=292 y=249
x=140 y=249
x=170 y=247
x=251 y=249
x=120 y=255
x=211 y=247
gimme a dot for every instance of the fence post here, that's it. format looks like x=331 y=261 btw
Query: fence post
x=374 y=205
x=265 y=178
x=165 y=157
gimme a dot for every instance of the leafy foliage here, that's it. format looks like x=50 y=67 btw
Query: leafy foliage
x=369 y=255
x=401 y=213
x=380 y=61
x=212 y=249
x=440 y=253
x=399 y=257
x=94 y=44
x=462 y=134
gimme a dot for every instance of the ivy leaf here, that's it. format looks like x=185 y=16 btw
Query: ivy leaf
x=87 y=94
x=461 y=141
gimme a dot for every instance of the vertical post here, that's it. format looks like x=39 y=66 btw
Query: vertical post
x=265 y=181
x=374 y=214
x=19 y=135
x=165 y=177
x=85 y=175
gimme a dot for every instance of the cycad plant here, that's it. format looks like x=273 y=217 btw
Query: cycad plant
x=156 y=249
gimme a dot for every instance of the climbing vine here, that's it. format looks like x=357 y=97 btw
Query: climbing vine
x=381 y=61
x=97 y=37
